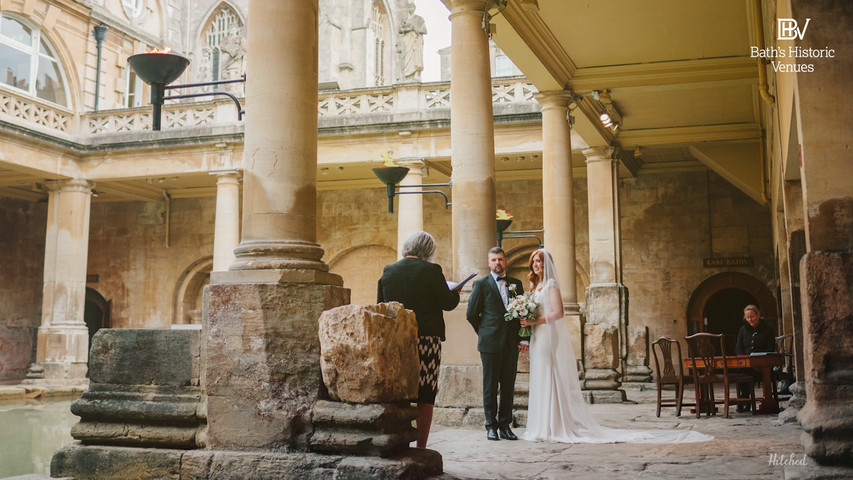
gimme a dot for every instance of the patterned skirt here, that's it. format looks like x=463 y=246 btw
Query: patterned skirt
x=429 y=354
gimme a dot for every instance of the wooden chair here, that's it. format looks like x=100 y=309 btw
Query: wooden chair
x=670 y=372
x=785 y=374
x=703 y=348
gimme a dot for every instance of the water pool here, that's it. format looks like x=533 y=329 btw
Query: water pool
x=30 y=432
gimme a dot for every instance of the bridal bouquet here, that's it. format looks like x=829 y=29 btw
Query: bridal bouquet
x=522 y=306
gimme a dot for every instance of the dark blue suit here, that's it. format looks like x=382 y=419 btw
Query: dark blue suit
x=497 y=342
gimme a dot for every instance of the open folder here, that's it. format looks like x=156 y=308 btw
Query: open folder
x=456 y=286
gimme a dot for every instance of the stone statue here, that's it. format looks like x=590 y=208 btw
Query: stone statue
x=411 y=48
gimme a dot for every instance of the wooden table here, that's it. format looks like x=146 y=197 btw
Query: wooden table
x=762 y=363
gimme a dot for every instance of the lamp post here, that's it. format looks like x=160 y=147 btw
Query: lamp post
x=159 y=69
x=392 y=175
x=503 y=224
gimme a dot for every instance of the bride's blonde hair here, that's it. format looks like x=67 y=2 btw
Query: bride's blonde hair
x=534 y=279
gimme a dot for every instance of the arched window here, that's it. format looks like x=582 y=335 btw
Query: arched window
x=379 y=27
x=224 y=24
x=28 y=62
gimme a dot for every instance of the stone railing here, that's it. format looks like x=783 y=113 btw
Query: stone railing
x=338 y=105
x=27 y=110
x=175 y=116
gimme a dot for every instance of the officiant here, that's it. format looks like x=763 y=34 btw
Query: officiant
x=419 y=284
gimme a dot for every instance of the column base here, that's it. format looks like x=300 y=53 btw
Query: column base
x=299 y=258
x=263 y=362
x=827 y=417
x=571 y=308
x=638 y=374
x=55 y=373
x=795 y=403
x=63 y=352
x=601 y=379
x=607 y=396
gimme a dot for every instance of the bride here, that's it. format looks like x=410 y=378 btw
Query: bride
x=556 y=409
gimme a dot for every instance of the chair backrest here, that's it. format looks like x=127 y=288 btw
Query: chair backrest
x=702 y=348
x=664 y=365
x=783 y=343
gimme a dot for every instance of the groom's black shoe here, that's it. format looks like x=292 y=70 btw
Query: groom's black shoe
x=506 y=433
x=491 y=433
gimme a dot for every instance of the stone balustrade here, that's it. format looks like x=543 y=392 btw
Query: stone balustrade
x=428 y=101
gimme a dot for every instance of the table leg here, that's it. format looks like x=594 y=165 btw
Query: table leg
x=768 y=403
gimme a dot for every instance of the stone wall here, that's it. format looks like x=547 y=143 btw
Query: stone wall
x=22 y=233
x=359 y=236
x=139 y=265
x=670 y=223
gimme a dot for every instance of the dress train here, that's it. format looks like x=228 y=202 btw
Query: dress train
x=556 y=409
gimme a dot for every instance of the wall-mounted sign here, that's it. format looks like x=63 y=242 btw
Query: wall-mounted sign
x=727 y=262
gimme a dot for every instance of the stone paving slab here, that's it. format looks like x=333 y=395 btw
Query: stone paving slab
x=743 y=447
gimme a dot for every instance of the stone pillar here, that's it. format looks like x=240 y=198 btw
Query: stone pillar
x=226 y=234
x=410 y=209
x=606 y=296
x=826 y=270
x=558 y=212
x=63 y=338
x=280 y=149
x=794 y=227
x=261 y=317
x=471 y=140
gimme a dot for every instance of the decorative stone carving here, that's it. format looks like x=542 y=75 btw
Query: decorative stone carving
x=368 y=353
x=412 y=32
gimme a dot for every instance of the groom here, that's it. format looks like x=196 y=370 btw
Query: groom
x=498 y=343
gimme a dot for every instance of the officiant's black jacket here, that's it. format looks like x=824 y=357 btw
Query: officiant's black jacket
x=420 y=286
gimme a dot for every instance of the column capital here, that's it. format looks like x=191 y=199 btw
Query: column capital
x=224 y=173
x=466 y=6
x=412 y=162
x=70 y=185
x=599 y=154
x=554 y=99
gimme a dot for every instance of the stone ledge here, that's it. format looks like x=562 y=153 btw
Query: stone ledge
x=41 y=391
x=127 y=463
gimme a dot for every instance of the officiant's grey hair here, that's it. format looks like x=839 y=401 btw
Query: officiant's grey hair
x=420 y=244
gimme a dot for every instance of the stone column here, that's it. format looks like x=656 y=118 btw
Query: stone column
x=471 y=140
x=606 y=296
x=795 y=235
x=261 y=317
x=826 y=270
x=410 y=209
x=63 y=338
x=280 y=150
x=558 y=201
x=226 y=234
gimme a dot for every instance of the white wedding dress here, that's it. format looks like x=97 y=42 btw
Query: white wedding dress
x=556 y=409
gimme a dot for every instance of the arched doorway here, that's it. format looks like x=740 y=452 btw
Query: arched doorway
x=189 y=292
x=96 y=312
x=716 y=305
